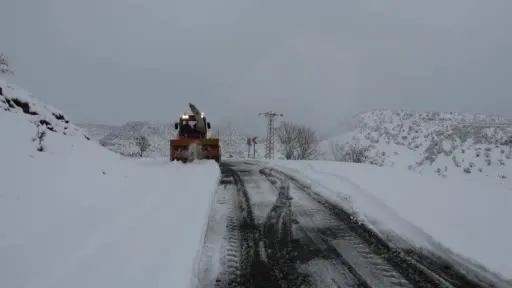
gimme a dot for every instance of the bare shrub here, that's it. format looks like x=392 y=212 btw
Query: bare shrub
x=39 y=138
x=299 y=142
x=286 y=134
x=4 y=65
x=143 y=144
x=350 y=152
x=307 y=143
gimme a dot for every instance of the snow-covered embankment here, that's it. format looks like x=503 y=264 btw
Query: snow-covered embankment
x=73 y=214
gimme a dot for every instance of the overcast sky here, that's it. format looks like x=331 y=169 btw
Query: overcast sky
x=111 y=61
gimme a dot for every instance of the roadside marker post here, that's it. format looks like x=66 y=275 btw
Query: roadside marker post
x=253 y=140
x=249 y=147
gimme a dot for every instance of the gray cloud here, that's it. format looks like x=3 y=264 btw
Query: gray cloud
x=111 y=61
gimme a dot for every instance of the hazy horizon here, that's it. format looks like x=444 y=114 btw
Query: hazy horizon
x=112 y=61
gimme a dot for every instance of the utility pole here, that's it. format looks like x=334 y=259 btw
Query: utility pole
x=269 y=145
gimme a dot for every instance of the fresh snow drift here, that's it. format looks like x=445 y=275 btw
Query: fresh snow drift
x=468 y=218
x=78 y=215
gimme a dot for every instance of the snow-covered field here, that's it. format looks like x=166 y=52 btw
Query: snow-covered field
x=78 y=215
x=470 y=218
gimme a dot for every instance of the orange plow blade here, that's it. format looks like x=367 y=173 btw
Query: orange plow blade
x=209 y=149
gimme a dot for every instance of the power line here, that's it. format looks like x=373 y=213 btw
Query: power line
x=269 y=145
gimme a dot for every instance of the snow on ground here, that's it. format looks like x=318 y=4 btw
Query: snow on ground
x=469 y=218
x=79 y=215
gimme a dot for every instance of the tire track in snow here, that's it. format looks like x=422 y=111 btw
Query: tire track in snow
x=314 y=243
x=418 y=268
x=337 y=267
x=270 y=257
x=231 y=237
x=269 y=254
x=266 y=258
x=445 y=265
x=259 y=268
x=220 y=254
x=353 y=252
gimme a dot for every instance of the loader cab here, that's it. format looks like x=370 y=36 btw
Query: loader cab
x=187 y=124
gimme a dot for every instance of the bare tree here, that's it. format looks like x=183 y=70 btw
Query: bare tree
x=286 y=134
x=349 y=152
x=298 y=142
x=4 y=65
x=39 y=138
x=307 y=143
x=143 y=144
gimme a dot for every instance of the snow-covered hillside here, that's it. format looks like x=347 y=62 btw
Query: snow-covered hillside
x=96 y=131
x=45 y=118
x=123 y=139
x=74 y=214
x=440 y=143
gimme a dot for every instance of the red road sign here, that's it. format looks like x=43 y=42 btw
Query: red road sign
x=253 y=140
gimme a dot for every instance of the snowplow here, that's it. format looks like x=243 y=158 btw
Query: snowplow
x=192 y=141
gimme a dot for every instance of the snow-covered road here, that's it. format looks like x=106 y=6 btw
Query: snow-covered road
x=286 y=230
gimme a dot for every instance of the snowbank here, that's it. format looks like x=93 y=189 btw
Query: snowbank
x=470 y=218
x=78 y=215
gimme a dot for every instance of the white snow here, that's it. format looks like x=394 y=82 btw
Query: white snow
x=470 y=218
x=79 y=215
x=474 y=147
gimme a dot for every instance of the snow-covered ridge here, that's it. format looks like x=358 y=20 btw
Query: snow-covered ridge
x=433 y=141
x=16 y=100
